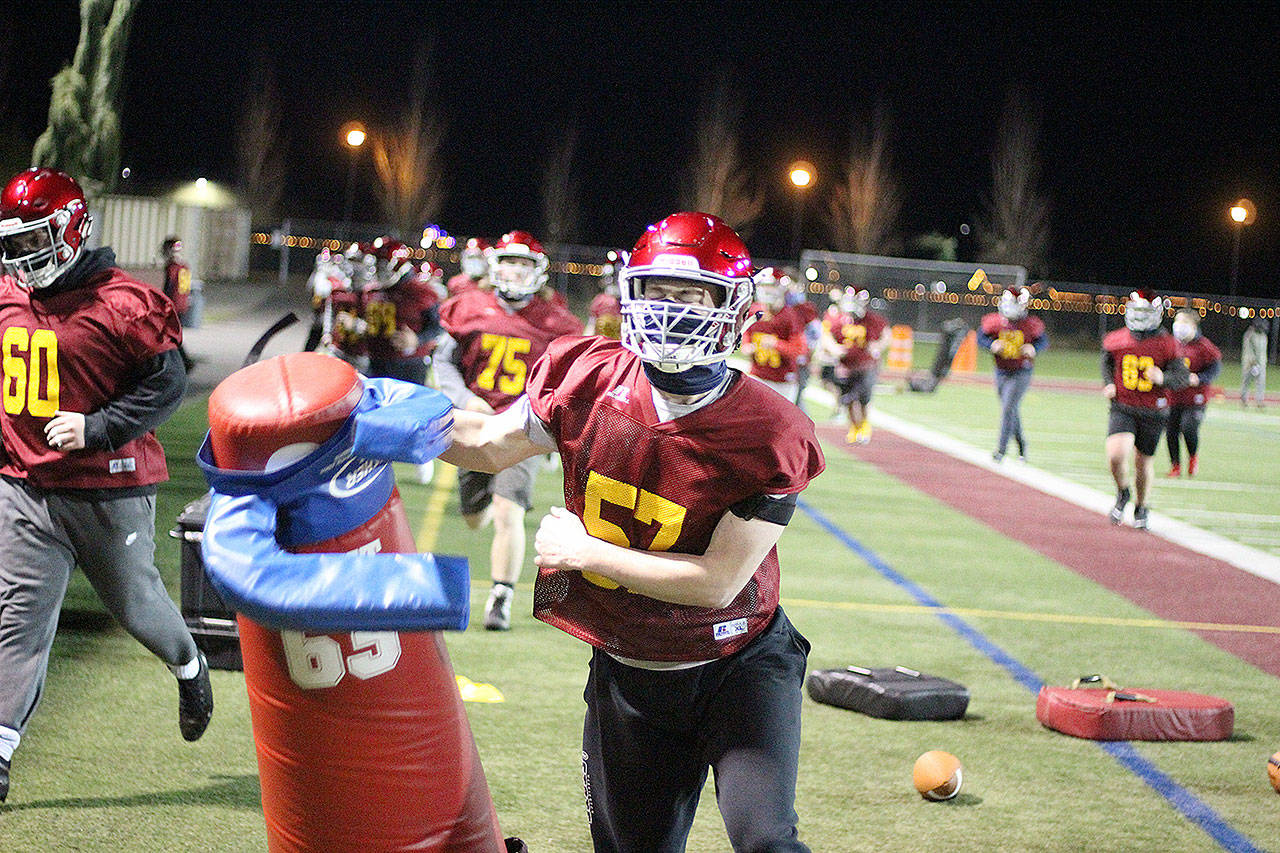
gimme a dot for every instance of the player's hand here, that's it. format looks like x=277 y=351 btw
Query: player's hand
x=769 y=341
x=561 y=541
x=996 y=346
x=1155 y=375
x=404 y=340
x=1195 y=380
x=477 y=404
x=1028 y=351
x=1109 y=390
x=65 y=431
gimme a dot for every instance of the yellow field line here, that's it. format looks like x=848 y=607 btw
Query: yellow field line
x=1019 y=616
x=442 y=484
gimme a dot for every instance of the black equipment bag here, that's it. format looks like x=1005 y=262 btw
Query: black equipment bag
x=212 y=623
x=890 y=694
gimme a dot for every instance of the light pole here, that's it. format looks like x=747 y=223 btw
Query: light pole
x=802 y=174
x=354 y=135
x=1242 y=213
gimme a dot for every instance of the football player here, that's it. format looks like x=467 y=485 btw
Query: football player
x=495 y=335
x=604 y=316
x=1186 y=407
x=856 y=336
x=1014 y=339
x=475 y=267
x=775 y=340
x=680 y=475
x=177 y=286
x=91 y=368
x=798 y=302
x=1139 y=362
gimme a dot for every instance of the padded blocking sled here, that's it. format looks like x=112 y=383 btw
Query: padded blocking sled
x=894 y=693
x=1134 y=714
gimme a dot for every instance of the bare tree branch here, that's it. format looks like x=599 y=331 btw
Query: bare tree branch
x=260 y=145
x=1015 y=226
x=719 y=184
x=864 y=208
x=560 y=191
x=407 y=159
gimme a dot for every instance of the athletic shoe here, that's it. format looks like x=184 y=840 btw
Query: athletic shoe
x=195 y=702
x=4 y=779
x=497 y=610
x=1117 y=512
x=1192 y=464
x=864 y=433
x=1140 y=517
x=997 y=456
x=851 y=437
x=1176 y=471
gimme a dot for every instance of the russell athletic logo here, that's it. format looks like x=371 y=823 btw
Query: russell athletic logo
x=727 y=630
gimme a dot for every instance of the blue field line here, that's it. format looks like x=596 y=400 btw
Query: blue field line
x=1190 y=806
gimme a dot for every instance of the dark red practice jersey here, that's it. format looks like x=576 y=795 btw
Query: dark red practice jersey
x=607 y=312
x=461 y=283
x=1131 y=357
x=404 y=306
x=856 y=335
x=778 y=343
x=1198 y=353
x=347 y=308
x=655 y=486
x=1012 y=334
x=177 y=285
x=76 y=351
x=497 y=346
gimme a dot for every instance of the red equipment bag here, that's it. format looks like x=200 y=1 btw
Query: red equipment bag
x=1108 y=712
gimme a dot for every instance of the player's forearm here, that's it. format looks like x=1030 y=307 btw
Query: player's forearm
x=142 y=408
x=487 y=443
x=687 y=579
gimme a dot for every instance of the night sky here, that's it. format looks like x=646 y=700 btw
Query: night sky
x=1156 y=117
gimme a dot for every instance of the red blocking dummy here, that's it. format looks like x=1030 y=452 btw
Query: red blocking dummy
x=362 y=740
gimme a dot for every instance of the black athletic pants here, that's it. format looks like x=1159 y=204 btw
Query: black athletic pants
x=1184 y=423
x=650 y=736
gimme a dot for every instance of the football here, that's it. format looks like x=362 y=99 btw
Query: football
x=1273 y=771
x=937 y=775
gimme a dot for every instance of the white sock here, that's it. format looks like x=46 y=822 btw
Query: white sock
x=188 y=670
x=8 y=742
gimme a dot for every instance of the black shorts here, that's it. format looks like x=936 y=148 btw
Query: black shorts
x=1147 y=426
x=857 y=386
x=476 y=489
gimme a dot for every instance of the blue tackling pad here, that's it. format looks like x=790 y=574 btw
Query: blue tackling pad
x=254 y=516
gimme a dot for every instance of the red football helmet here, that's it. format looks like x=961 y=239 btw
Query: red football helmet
x=44 y=224
x=1144 y=310
x=1013 y=303
x=474 y=258
x=771 y=288
x=518 y=266
x=696 y=247
x=394 y=261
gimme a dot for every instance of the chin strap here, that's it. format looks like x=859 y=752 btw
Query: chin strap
x=697 y=379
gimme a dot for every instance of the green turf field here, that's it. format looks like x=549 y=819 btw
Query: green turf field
x=102 y=767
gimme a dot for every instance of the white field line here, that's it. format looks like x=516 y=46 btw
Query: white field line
x=1243 y=557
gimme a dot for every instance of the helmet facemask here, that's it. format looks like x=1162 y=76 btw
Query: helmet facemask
x=36 y=252
x=517 y=277
x=1143 y=311
x=1013 y=304
x=676 y=334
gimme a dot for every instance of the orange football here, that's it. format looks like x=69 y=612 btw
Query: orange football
x=1273 y=771
x=937 y=775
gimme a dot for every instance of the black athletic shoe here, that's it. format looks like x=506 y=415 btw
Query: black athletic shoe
x=4 y=779
x=195 y=702
x=1140 y=517
x=1117 y=512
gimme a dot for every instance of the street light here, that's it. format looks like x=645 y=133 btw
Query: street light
x=1242 y=213
x=802 y=175
x=354 y=135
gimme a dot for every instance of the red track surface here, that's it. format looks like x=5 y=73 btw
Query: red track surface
x=1168 y=580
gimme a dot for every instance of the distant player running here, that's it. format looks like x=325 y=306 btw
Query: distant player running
x=1138 y=363
x=856 y=336
x=1015 y=340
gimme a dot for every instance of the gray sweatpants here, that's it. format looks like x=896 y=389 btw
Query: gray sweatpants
x=1011 y=385
x=42 y=538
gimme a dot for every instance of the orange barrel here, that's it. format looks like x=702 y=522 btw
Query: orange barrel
x=362 y=740
x=966 y=358
x=900 y=345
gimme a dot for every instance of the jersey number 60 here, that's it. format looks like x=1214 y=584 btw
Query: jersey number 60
x=28 y=356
